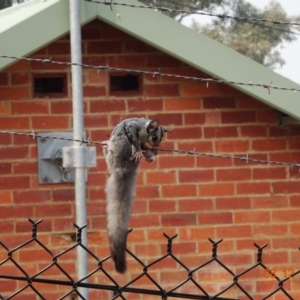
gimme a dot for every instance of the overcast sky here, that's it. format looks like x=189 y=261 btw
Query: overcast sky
x=291 y=51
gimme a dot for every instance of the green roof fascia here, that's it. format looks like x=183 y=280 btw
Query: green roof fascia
x=38 y=24
x=203 y=53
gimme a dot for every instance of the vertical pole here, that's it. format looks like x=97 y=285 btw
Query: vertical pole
x=78 y=134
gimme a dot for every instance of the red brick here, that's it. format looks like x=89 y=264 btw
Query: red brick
x=25 y=167
x=6 y=227
x=14 y=93
x=146 y=192
x=215 y=218
x=230 y=146
x=268 y=117
x=4 y=109
x=21 y=65
x=194 y=146
x=127 y=61
x=61 y=107
x=290 y=157
x=194 y=118
x=159 y=90
x=269 y=202
x=145 y=105
x=295 y=201
x=107 y=106
x=213 y=117
x=175 y=191
x=31 y=255
x=31 y=196
x=236 y=231
x=269 y=145
x=283 y=216
x=41 y=66
x=29 y=108
x=59 y=47
x=233 y=174
x=196 y=175
x=161 y=177
x=253 y=131
x=218 y=102
x=138 y=47
x=20 y=78
x=51 y=122
x=286 y=242
x=233 y=203
x=20 y=211
x=213 y=162
x=162 y=206
x=252 y=217
x=15 y=123
x=178 y=220
x=4 y=79
x=144 y=221
x=96 y=77
x=162 y=61
x=284 y=187
x=270 y=173
x=200 y=89
x=182 y=104
x=55 y=210
x=238 y=117
x=168 y=162
x=12 y=153
x=260 y=156
x=217 y=189
x=253 y=188
x=186 y=133
x=5 y=197
x=94 y=91
x=192 y=205
x=104 y=47
x=248 y=102
x=220 y=132
x=270 y=230
x=5 y=168
x=95 y=121
x=279 y=131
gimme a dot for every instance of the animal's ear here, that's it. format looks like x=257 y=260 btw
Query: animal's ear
x=153 y=125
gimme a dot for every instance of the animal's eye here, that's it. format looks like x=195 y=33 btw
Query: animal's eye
x=154 y=138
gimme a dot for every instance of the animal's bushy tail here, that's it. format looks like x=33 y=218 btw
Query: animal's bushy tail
x=120 y=192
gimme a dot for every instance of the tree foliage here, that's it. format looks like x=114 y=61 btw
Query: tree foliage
x=185 y=5
x=258 y=40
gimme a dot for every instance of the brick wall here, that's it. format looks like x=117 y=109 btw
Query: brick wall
x=196 y=197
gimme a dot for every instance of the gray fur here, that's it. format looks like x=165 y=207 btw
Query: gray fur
x=128 y=138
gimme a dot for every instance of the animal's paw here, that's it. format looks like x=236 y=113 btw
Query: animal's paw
x=137 y=156
x=105 y=144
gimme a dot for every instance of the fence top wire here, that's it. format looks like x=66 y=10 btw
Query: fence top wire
x=246 y=158
x=120 y=291
x=197 y=12
x=99 y=68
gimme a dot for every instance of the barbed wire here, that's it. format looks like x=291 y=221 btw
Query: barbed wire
x=154 y=74
x=210 y=14
x=246 y=158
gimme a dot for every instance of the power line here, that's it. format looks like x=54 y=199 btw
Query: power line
x=246 y=158
x=210 y=14
x=269 y=86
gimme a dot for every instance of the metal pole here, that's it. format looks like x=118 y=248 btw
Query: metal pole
x=78 y=133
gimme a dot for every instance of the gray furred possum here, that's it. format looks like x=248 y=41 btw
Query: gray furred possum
x=124 y=151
